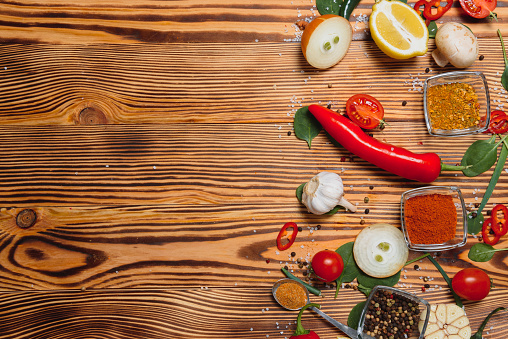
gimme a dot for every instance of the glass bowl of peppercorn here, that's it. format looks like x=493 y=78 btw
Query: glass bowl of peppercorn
x=434 y=218
x=393 y=313
x=456 y=103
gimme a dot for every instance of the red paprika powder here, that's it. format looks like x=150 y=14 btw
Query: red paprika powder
x=430 y=219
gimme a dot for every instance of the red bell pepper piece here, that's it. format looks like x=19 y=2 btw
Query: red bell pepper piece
x=424 y=167
x=499 y=225
x=283 y=232
x=487 y=226
x=300 y=332
x=427 y=12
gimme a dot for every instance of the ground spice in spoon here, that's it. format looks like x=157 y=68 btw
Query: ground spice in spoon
x=430 y=219
x=291 y=295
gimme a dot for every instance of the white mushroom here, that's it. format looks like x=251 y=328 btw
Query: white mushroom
x=456 y=44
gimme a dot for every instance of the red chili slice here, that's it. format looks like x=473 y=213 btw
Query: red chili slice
x=283 y=232
x=487 y=226
x=498 y=122
x=499 y=225
x=427 y=12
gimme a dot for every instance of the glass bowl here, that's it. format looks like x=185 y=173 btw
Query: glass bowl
x=460 y=237
x=478 y=82
x=392 y=294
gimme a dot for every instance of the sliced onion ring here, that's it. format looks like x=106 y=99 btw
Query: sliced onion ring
x=380 y=250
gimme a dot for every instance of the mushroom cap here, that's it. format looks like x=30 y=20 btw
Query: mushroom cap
x=458 y=44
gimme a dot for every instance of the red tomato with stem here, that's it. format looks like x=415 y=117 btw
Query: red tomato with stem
x=365 y=110
x=471 y=284
x=327 y=265
x=479 y=8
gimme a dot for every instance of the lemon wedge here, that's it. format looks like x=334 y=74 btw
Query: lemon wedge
x=398 y=30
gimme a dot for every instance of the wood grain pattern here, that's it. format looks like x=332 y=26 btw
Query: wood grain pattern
x=207 y=313
x=141 y=21
x=207 y=83
x=187 y=246
x=146 y=166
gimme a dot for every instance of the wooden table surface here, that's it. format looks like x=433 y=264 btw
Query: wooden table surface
x=153 y=142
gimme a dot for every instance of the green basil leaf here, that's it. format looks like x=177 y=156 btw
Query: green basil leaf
x=306 y=125
x=432 y=29
x=347 y=8
x=351 y=270
x=299 y=191
x=481 y=155
x=354 y=316
x=481 y=252
x=328 y=6
x=474 y=225
x=371 y=282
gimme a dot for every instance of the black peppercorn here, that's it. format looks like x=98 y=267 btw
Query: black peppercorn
x=404 y=103
x=329 y=106
x=293 y=254
x=289 y=133
x=427 y=70
x=367 y=211
x=416 y=267
x=362 y=222
x=427 y=286
x=482 y=57
x=371 y=187
x=318 y=227
x=299 y=229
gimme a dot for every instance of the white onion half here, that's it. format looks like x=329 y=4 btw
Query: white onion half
x=326 y=40
x=380 y=250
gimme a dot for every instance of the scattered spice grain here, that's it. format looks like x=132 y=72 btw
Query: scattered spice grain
x=427 y=70
x=482 y=57
x=430 y=218
x=289 y=133
x=453 y=106
x=366 y=199
x=404 y=103
x=291 y=295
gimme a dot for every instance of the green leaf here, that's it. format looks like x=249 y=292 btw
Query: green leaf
x=328 y=6
x=371 y=282
x=354 y=316
x=481 y=155
x=432 y=29
x=299 y=191
x=347 y=8
x=481 y=252
x=306 y=125
x=503 y=155
x=474 y=224
x=351 y=270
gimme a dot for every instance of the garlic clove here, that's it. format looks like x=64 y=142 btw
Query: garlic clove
x=465 y=332
x=453 y=312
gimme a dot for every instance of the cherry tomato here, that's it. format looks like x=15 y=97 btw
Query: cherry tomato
x=327 y=265
x=471 y=284
x=479 y=8
x=365 y=110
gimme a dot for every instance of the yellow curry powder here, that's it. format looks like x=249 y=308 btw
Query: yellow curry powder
x=453 y=106
x=291 y=295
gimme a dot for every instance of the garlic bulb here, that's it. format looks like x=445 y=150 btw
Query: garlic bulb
x=446 y=321
x=323 y=192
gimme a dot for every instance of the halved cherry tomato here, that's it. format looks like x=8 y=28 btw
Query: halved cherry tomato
x=479 y=8
x=499 y=224
x=365 y=110
x=486 y=235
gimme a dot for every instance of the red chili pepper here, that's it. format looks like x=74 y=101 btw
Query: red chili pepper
x=427 y=12
x=283 y=232
x=420 y=167
x=427 y=9
x=499 y=226
x=487 y=226
x=498 y=122
x=300 y=332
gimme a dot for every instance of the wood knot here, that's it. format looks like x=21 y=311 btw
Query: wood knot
x=26 y=218
x=92 y=116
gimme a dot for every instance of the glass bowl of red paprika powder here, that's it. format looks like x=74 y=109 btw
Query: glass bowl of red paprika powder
x=434 y=218
x=456 y=103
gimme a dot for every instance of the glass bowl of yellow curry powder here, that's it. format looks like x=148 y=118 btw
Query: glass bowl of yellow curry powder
x=456 y=103
x=434 y=218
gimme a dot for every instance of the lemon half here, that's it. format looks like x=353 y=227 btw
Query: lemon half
x=398 y=30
